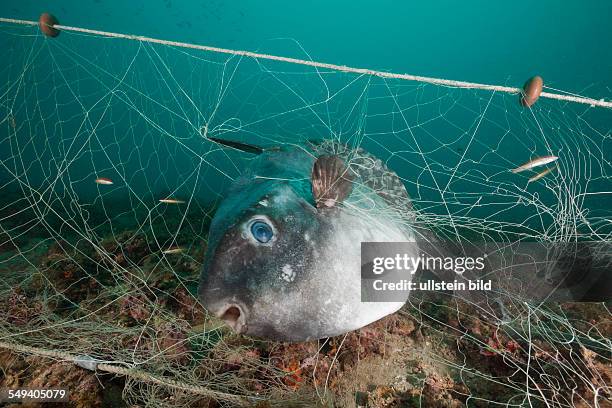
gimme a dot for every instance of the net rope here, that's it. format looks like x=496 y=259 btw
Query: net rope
x=105 y=275
x=86 y=362
x=340 y=68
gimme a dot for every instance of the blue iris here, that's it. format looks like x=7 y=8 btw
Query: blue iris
x=261 y=231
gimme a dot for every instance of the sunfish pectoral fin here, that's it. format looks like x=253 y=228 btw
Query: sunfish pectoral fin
x=331 y=181
x=243 y=147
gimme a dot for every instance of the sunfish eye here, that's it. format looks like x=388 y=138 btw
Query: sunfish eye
x=262 y=231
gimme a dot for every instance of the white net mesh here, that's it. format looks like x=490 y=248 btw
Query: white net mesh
x=109 y=272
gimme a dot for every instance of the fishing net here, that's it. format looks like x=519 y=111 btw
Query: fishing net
x=100 y=280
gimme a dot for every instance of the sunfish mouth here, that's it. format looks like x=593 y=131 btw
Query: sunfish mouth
x=234 y=315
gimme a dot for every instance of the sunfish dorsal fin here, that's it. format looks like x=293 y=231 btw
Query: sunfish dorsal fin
x=238 y=146
x=331 y=181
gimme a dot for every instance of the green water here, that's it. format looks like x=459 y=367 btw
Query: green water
x=567 y=43
x=152 y=147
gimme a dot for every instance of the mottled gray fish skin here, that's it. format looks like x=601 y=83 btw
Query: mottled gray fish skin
x=304 y=283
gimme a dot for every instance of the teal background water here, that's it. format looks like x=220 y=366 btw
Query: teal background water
x=567 y=43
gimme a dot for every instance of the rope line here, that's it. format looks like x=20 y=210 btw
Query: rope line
x=315 y=64
x=89 y=363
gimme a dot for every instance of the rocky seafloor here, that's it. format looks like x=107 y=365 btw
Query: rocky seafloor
x=126 y=302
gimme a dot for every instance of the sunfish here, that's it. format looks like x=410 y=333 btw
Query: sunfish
x=283 y=258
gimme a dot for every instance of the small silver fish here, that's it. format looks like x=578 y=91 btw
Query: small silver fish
x=104 y=181
x=540 y=161
x=173 y=250
x=171 y=201
x=541 y=174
